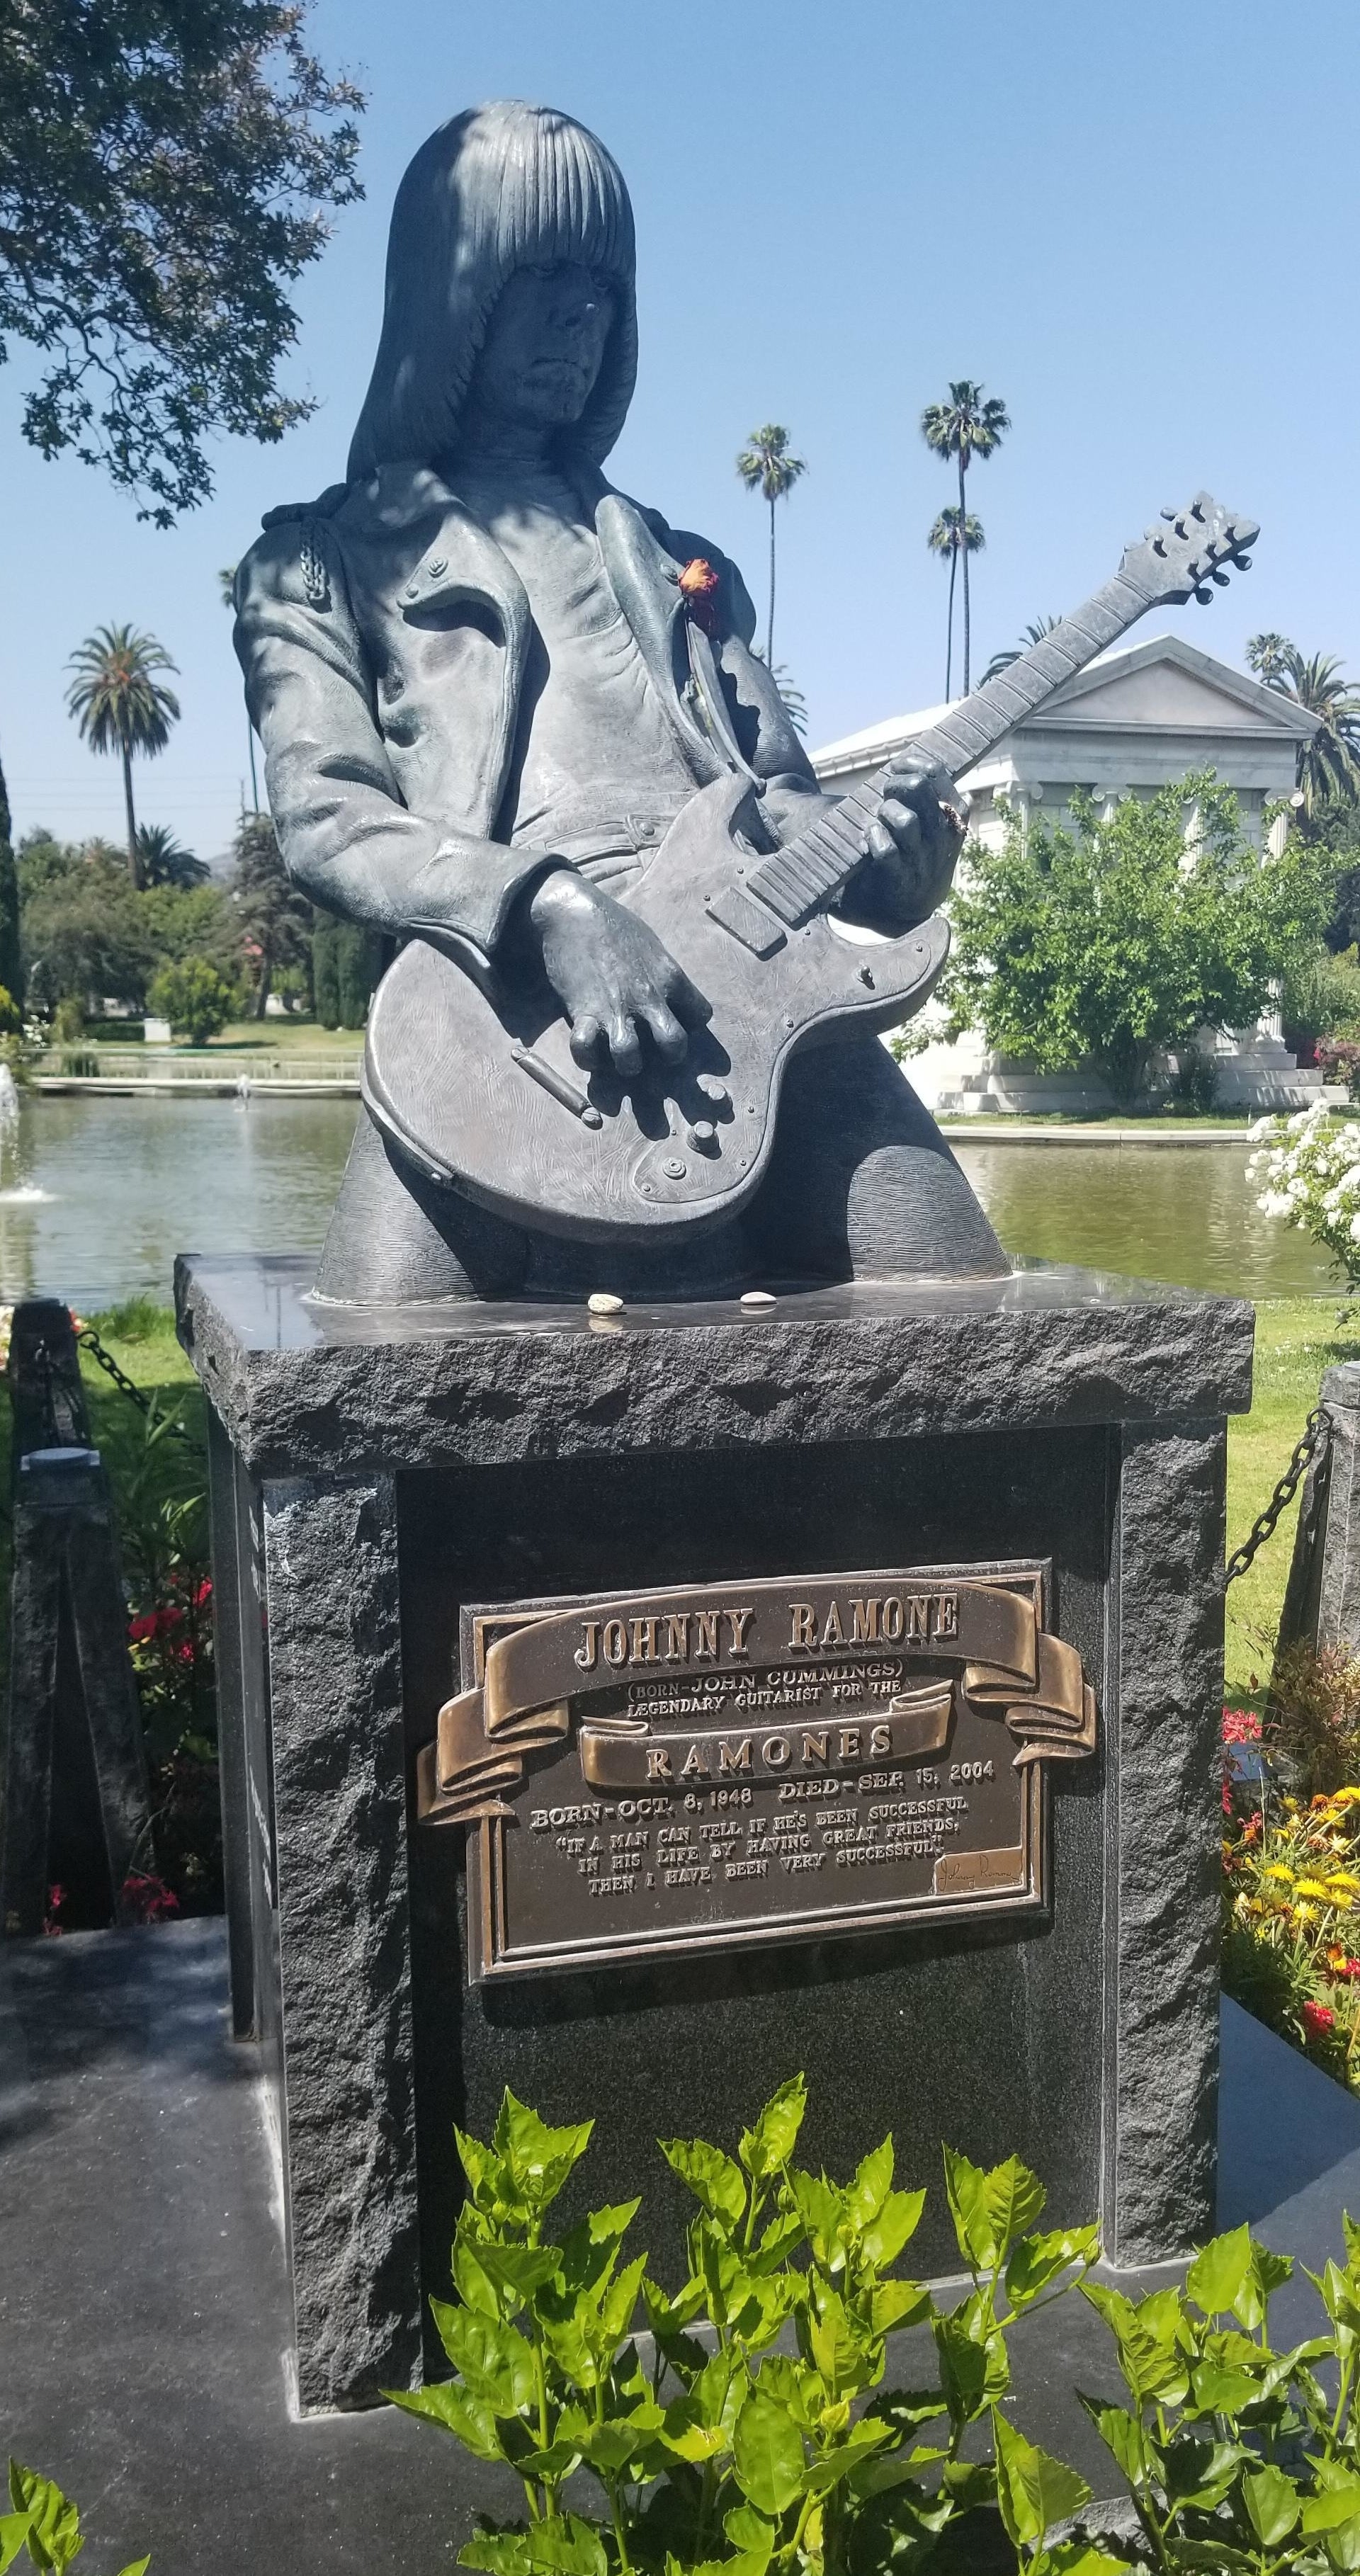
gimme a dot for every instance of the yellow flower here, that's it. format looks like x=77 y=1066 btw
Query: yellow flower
x=1342 y=1879
x=1312 y=1887
x=1277 y=1870
x=1290 y=1806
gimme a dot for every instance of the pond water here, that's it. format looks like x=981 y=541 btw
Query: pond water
x=98 y=1194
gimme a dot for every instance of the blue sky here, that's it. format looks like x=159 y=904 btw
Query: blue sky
x=1134 y=223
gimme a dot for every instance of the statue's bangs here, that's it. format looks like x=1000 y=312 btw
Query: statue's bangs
x=561 y=199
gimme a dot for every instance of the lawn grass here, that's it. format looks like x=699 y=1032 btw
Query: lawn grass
x=1296 y=1339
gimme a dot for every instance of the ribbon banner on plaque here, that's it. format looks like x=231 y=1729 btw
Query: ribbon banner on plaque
x=718 y=1763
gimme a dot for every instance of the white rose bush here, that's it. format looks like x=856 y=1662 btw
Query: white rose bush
x=1308 y=1169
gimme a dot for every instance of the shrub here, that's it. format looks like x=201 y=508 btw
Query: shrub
x=1308 y=1166
x=194 y=998
x=727 y=2455
x=1101 y=944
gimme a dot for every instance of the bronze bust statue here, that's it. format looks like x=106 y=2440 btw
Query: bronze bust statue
x=488 y=685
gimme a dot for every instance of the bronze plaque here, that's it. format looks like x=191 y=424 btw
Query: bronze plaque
x=790 y=1759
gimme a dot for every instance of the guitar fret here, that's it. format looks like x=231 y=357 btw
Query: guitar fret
x=799 y=878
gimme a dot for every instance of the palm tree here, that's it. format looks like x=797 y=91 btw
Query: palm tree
x=164 y=861
x=969 y=424
x=1329 y=763
x=769 y=466
x=121 y=706
x=1033 y=634
x=944 y=540
x=1267 y=656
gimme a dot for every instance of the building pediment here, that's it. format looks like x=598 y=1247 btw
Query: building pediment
x=1167 y=685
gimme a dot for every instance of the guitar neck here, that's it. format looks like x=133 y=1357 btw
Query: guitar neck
x=810 y=871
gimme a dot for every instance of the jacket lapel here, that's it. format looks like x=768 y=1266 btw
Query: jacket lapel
x=645 y=581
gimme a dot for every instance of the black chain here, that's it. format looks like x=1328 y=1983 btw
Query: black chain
x=122 y=1381
x=1317 y=1433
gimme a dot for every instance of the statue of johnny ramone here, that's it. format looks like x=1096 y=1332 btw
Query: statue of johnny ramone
x=463 y=665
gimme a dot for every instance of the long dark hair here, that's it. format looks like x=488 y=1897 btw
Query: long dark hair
x=501 y=187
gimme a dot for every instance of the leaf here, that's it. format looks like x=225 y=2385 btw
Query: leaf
x=767 y=2455
x=864 y=2439
x=468 y=2418
x=1015 y=2198
x=1149 y=2340
x=1336 y=2505
x=1122 y=2436
x=820 y=2208
x=1039 y=2260
x=768 y=2144
x=898 y=2219
x=473 y=2283
x=897 y=2303
x=715 y=2181
x=965 y=2188
x=493 y=2358
x=1075 y=2558
x=974 y=2373
x=135 y=2567
x=589 y=2250
x=1199 y=2473
x=1215 y=2278
x=750 y=2532
x=540 y=2158
x=517 y=2270
x=1214 y=2391
x=1033 y=2490
x=838 y=2349
x=13 y=2534
x=620 y=2302
x=1272 y=2503
x=871 y=2184
x=53 y=2534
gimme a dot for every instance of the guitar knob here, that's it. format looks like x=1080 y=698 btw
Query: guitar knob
x=673 y=1168
x=714 y=1090
x=703 y=1136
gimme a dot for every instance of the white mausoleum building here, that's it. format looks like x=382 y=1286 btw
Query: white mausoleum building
x=1134 y=720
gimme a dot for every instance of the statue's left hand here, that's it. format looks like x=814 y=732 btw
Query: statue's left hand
x=911 y=849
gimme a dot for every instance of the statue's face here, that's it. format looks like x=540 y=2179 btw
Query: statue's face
x=543 y=350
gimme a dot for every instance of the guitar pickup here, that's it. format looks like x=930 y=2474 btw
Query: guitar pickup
x=749 y=922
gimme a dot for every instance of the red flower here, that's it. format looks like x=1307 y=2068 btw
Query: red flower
x=1318 y=2019
x=698 y=586
x=1240 y=1727
x=148 y=1899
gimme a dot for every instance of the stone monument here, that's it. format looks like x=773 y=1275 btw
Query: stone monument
x=689 y=1608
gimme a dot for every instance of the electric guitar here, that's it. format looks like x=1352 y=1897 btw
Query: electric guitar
x=474 y=1079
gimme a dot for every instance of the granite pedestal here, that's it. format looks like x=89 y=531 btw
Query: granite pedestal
x=374 y=1472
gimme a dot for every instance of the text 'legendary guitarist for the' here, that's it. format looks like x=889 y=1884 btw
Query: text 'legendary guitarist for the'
x=487 y=684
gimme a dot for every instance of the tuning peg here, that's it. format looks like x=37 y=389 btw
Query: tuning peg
x=1242 y=563
x=1221 y=578
x=1168 y=514
x=1204 y=597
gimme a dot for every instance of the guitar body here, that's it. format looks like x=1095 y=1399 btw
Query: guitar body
x=603 y=1156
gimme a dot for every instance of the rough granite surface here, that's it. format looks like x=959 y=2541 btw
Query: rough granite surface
x=340 y=1824
x=1162 y=1823
x=855 y=1363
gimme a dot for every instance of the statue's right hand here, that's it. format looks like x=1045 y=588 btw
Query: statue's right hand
x=611 y=974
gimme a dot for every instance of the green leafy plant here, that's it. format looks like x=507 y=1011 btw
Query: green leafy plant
x=194 y=998
x=1238 y=2458
x=46 y=2523
x=760 y=2436
x=1101 y=944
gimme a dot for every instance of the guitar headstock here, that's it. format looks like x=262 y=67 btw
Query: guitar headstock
x=1188 y=549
